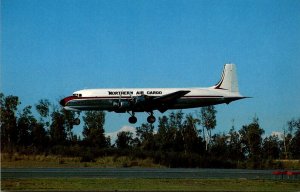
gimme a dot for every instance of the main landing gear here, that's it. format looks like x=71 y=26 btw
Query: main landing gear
x=132 y=119
x=150 y=119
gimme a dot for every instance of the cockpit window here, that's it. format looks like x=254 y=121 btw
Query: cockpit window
x=77 y=95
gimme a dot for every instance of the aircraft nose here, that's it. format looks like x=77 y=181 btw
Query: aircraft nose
x=62 y=102
x=65 y=101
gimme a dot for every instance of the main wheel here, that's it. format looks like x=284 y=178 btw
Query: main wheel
x=76 y=121
x=151 y=119
x=132 y=119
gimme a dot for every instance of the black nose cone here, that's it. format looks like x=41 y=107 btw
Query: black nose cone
x=62 y=102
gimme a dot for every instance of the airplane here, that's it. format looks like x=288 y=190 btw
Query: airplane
x=132 y=100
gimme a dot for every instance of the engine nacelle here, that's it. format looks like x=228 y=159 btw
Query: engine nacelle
x=140 y=99
x=121 y=104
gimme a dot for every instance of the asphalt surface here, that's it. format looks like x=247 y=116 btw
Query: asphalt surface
x=15 y=173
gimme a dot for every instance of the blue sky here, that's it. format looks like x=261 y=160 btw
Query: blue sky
x=51 y=48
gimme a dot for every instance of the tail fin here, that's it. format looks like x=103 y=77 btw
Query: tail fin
x=228 y=79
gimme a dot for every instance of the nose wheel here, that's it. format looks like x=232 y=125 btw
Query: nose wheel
x=77 y=120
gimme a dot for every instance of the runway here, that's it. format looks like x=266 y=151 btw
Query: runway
x=167 y=173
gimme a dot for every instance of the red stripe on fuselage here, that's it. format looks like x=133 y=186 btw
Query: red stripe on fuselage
x=64 y=101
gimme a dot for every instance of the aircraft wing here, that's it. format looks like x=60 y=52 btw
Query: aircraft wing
x=170 y=97
x=163 y=102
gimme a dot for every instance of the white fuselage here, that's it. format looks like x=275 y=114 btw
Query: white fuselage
x=107 y=99
x=150 y=99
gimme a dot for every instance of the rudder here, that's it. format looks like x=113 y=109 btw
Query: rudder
x=228 y=79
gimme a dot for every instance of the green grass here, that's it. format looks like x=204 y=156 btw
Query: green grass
x=51 y=161
x=100 y=184
x=289 y=164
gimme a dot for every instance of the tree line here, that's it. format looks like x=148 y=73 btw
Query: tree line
x=179 y=140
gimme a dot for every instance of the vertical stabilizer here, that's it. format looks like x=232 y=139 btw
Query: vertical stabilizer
x=228 y=79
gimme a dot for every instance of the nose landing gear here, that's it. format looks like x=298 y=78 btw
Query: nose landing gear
x=77 y=120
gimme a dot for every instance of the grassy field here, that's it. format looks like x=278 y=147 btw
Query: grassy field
x=44 y=161
x=111 y=184
x=51 y=161
x=98 y=184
